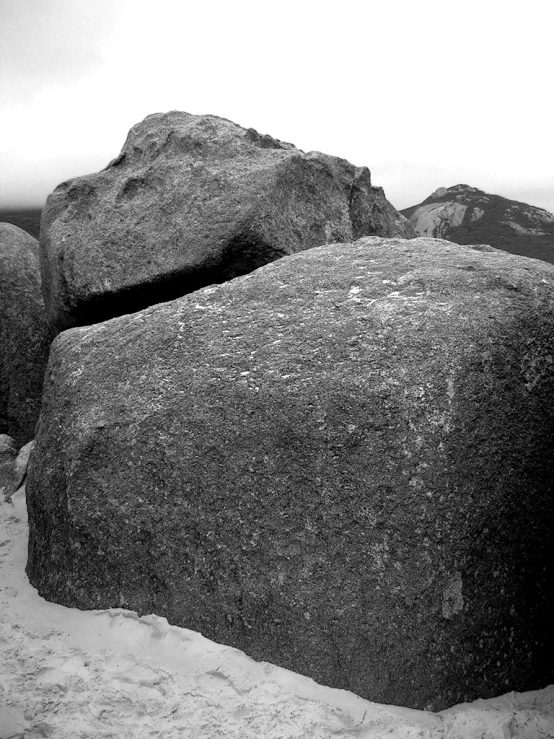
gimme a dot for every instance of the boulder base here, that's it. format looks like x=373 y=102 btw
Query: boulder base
x=341 y=463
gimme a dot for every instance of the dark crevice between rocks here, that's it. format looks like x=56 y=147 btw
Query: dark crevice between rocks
x=243 y=255
x=362 y=218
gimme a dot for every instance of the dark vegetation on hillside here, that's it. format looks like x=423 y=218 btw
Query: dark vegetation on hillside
x=28 y=219
x=489 y=229
x=504 y=237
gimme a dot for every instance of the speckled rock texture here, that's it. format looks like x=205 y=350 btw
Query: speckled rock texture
x=12 y=477
x=341 y=463
x=191 y=201
x=24 y=334
x=8 y=455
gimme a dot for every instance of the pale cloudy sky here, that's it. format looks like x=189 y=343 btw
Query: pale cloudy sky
x=426 y=94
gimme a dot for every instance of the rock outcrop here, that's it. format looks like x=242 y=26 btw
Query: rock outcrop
x=191 y=201
x=8 y=454
x=341 y=463
x=466 y=215
x=12 y=476
x=24 y=334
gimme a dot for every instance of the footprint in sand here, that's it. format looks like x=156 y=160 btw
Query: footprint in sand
x=123 y=673
x=64 y=673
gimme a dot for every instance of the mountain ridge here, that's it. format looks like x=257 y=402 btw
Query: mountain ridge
x=467 y=215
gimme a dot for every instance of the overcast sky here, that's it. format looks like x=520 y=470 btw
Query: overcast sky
x=426 y=94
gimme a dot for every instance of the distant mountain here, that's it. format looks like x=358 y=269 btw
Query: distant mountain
x=27 y=219
x=466 y=215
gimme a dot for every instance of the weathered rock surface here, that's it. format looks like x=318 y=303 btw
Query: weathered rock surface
x=341 y=463
x=24 y=334
x=8 y=448
x=190 y=201
x=8 y=454
x=12 y=475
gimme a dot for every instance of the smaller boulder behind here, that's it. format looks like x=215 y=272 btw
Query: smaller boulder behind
x=192 y=201
x=24 y=334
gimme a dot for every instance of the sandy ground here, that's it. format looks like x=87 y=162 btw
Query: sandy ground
x=71 y=674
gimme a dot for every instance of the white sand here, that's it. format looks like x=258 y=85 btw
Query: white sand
x=70 y=674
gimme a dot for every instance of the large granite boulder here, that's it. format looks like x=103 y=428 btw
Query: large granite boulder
x=24 y=334
x=341 y=463
x=191 y=201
